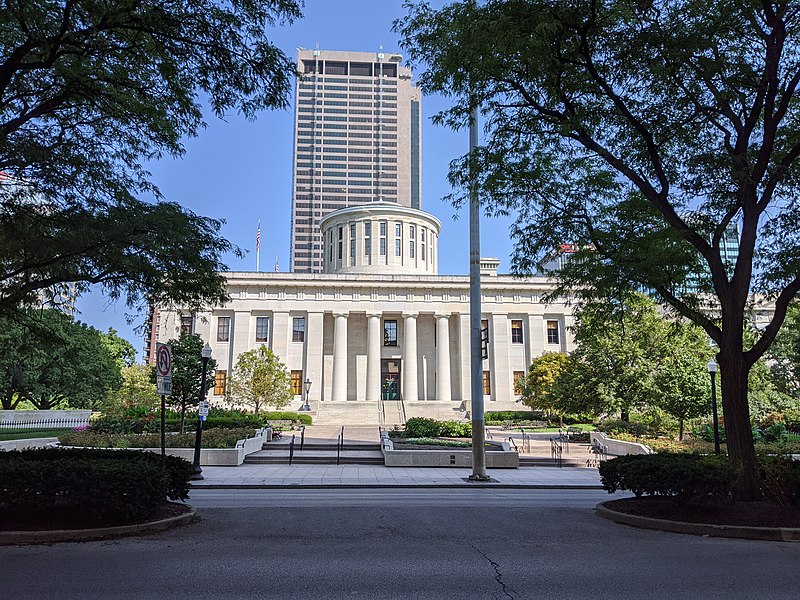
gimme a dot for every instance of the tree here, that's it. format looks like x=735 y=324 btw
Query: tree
x=90 y=90
x=187 y=374
x=259 y=379
x=682 y=381
x=137 y=392
x=639 y=131
x=52 y=361
x=785 y=355
x=537 y=387
x=120 y=349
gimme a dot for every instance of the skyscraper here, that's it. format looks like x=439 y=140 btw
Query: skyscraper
x=356 y=140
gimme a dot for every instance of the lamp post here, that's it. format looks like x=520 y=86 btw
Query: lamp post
x=306 y=389
x=712 y=370
x=198 y=440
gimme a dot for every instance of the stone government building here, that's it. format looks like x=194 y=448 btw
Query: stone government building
x=379 y=333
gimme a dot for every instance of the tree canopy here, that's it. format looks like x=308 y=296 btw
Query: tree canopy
x=90 y=90
x=259 y=379
x=52 y=361
x=640 y=132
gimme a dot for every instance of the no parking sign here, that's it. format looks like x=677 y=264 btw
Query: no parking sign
x=164 y=369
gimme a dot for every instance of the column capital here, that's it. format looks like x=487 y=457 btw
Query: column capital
x=410 y=315
x=442 y=315
x=341 y=313
x=371 y=314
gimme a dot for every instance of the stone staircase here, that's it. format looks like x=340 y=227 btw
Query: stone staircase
x=318 y=454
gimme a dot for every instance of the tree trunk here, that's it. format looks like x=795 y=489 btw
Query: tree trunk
x=680 y=429
x=734 y=378
x=624 y=416
x=183 y=416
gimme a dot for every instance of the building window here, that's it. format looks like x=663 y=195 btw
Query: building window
x=297 y=383
x=367 y=238
x=397 y=248
x=552 y=332
x=390 y=333
x=223 y=329
x=487 y=384
x=516 y=331
x=411 y=248
x=220 y=379
x=519 y=380
x=398 y=239
x=383 y=238
x=341 y=235
x=187 y=324
x=262 y=329
x=298 y=329
x=422 y=244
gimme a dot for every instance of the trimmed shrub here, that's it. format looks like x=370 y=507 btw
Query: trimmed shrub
x=514 y=415
x=104 y=485
x=615 y=426
x=420 y=427
x=791 y=418
x=781 y=477
x=214 y=438
x=684 y=477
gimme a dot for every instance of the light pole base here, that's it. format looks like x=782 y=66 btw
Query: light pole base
x=197 y=475
x=480 y=479
x=304 y=408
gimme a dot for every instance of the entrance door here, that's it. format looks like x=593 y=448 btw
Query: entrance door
x=390 y=379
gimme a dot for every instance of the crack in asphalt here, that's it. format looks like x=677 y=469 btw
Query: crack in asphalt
x=498 y=575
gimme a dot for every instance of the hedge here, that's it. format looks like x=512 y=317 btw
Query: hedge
x=215 y=438
x=685 y=477
x=420 y=427
x=514 y=415
x=104 y=485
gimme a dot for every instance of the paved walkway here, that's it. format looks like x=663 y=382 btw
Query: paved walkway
x=311 y=475
x=271 y=476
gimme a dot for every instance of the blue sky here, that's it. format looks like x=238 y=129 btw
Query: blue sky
x=240 y=171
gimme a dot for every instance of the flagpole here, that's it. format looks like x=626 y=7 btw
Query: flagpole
x=258 y=246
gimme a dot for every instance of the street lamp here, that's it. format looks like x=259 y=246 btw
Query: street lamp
x=198 y=440
x=307 y=389
x=712 y=370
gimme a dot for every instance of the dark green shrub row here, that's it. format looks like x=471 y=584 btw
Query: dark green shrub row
x=215 y=438
x=696 y=478
x=686 y=477
x=417 y=427
x=106 y=485
x=217 y=417
x=615 y=426
x=792 y=419
x=514 y=415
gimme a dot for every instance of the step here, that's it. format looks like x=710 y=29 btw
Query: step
x=283 y=459
x=543 y=461
x=350 y=446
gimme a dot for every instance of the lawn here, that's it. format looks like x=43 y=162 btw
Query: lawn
x=31 y=434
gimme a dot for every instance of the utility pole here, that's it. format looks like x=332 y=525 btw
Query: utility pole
x=476 y=358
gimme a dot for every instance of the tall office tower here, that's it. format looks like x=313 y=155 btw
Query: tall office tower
x=356 y=140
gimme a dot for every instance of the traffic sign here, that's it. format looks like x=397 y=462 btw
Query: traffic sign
x=203 y=410
x=164 y=369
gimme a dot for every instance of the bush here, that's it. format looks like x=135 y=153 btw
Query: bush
x=781 y=477
x=792 y=420
x=418 y=427
x=215 y=438
x=104 y=485
x=685 y=477
x=614 y=427
x=514 y=415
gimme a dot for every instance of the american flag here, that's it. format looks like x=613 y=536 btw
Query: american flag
x=258 y=236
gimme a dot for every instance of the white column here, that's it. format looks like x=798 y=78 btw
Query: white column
x=339 y=388
x=410 y=387
x=443 y=392
x=313 y=355
x=373 y=357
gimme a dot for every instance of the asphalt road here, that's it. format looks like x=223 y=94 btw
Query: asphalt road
x=428 y=543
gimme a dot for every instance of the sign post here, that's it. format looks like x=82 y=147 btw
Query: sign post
x=164 y=383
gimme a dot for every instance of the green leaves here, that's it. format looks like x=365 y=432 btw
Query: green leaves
x=259 y=379
x=88 y=92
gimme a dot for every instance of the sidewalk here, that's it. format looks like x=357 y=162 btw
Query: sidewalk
x=375 y=476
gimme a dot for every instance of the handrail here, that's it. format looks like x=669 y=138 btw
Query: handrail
x=488 y=434
x=556 y=450
x=291 y=450
x=513 y=443
x=302 y=436
x=339 y=443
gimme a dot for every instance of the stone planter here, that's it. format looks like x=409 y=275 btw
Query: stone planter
x=504 y=458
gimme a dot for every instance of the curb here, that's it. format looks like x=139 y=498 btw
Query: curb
x=96 y=533
x=772 y=534
x=352 y=486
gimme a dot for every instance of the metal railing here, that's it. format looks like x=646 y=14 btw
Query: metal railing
x=526 y=441
x=600 y=452
x=302 y=436
x=291 y=450
x=339 y=444
x=556 y=450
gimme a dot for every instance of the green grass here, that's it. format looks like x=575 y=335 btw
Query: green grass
x=32 y=434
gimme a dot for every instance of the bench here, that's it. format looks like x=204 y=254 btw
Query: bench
x=282 y=423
